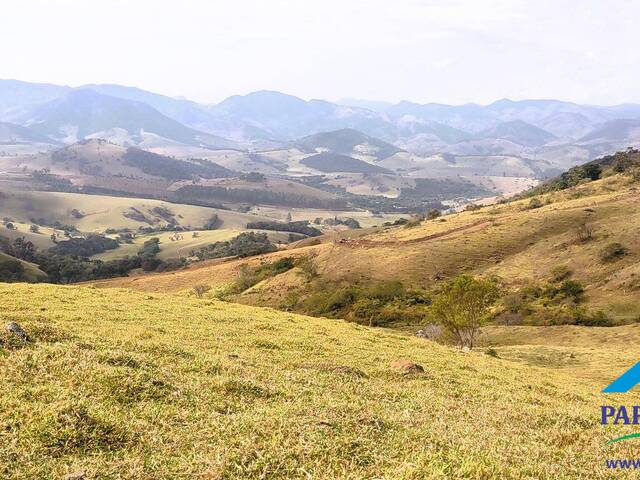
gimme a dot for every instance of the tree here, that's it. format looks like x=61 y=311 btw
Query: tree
x=289 y=219
x=200 y=290
x=433 y=214
x=463 y=305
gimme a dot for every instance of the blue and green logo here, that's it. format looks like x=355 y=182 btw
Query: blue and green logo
x=622 y=415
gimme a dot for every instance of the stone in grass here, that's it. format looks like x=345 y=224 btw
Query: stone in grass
x=74 y=476
x=406 y=367
x=17 y=330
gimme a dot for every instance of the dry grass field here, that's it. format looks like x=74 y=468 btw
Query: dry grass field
x=517 y=243
x=131 y=385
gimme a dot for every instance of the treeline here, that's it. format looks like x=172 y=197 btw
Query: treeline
x=192 y=193
x=171 y=168
x=620 y=162
x=246 y=244
x=73 y=266
x=301 y=227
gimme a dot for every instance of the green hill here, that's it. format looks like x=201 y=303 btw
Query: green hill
x=333 y=162
x=169 y=387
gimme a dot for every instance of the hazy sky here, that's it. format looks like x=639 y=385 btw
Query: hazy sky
x=421 y=50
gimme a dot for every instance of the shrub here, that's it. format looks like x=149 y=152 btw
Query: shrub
x=571 y=289
x=200 y=290
x=433 y=214
x=534 y=203
x=584 y=232
x=612 y=252
x=463 y=306
x=560 y=273
x=595 y=319
x=34 y=229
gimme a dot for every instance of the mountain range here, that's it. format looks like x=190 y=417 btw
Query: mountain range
x=561 y=133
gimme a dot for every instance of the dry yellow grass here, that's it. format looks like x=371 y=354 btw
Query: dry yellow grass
x=510 y=241
x=132 y=385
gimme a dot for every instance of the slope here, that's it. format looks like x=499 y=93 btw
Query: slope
x=333 y=162
x=348 y=142
x=82 y=113
x=169 y=386
x=521 y=242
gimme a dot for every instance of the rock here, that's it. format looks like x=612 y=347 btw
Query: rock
x=17 y=330
x=406 y=367
x=74 y=476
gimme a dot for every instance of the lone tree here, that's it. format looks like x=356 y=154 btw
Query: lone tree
x=462 y=307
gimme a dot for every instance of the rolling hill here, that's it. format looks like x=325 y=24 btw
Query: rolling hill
x=332 y=162
x=520 y=242
x=348 y=142
x=83 y=113
x=10 y=133
x=518 y=132
x=171 y=385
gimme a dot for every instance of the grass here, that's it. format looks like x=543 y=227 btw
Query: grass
x=510 y=241
x=102 y=212
x=183 y=246
x=132 y=385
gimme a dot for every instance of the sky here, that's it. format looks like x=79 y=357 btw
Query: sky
x=451 y=52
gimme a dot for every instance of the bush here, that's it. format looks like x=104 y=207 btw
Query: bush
x=560 y=273
x=612 y=252
x=595 y=319
x=200 y=290
x=463 y=306
x=34 y=229
x=534 y=203
x=433 y=214
x=571 y=289
x=584 y=232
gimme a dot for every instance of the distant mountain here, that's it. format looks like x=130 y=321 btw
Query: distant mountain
x=186 y=112
x=373 y=105
x=287 y=117
x=103 y=159
x=336 y=163
x=11 y=133
x=561 y=133
x=567 y=125
x=16 y=96
x=83 y=113
x=620 y=130
x=519 y=132
x=348 y=141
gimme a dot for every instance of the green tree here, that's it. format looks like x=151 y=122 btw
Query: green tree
x=462 y=307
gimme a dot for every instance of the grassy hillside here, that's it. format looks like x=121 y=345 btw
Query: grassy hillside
x=521 y=242
x=333 y=162
x=180 y=244
x=26 y=272
x=101 y=212
x=171 y=387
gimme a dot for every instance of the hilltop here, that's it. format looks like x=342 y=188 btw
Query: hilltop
x=589 y=228
x=165 y=386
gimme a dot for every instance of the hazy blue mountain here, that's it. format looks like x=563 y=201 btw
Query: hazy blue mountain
x=348 y=141
x=288 y=117
x=567 y=125
x=10 y=133
x=519 y=132
x=186 y=112
x=619 y=130
x=83 y=112
x=16 y=96
x=373 y=105
x=335 y=163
